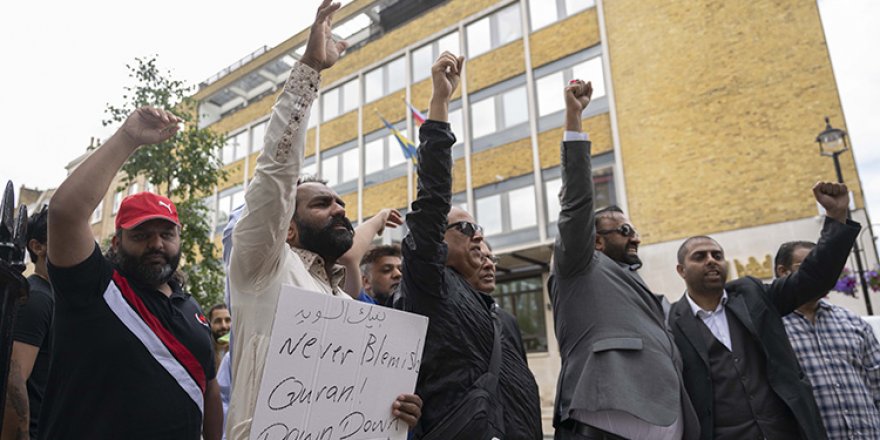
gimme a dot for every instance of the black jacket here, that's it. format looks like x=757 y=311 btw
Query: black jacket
x=460 y=331
x=760 y=308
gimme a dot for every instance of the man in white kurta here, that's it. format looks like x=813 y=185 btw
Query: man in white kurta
x=270 y=249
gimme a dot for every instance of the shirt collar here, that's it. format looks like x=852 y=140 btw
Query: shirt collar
x=315 y=264
x=695 y=309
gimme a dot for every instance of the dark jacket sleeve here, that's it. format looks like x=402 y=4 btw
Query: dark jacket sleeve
x=819 y=270
x=424 y=251
x=575 y=244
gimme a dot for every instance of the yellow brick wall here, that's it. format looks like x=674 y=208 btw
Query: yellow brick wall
x=718 y=119
x=245 y=116
x=339 y=130
x=392 y=107
x=495 y=66
x=564 y=37
x=501 y=163
x=390 y=194
x=235 y=176
x=599 y=128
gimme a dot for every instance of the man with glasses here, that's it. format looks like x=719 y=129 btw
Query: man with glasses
x=621 y=371
x=440 y=254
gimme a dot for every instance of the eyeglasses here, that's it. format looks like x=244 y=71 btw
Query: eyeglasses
x=491 y=258
x=467 y=228
x=625 y=230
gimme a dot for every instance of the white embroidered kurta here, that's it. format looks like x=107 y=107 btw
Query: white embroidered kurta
x=261 y=259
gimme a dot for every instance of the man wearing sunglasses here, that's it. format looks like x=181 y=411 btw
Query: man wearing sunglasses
x=621 y=371
x=440 y=254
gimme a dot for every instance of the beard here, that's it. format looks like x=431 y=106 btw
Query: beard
x=328 y=242
x=621 y=255
x=148 y=274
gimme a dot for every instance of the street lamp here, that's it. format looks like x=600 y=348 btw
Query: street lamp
x=832 y=142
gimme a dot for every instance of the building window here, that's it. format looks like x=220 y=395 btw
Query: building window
x=350 y=96
x=524 y=299
x=313 y=115
x=236 y=147
x=493 y=31
x=340 y=166
x=227 y=201
x=505 y=110
x=423 y=58
x=310 y=169
x=133 y=189
x=591 y=70
x=384 y=79
x=483 y=117
x=98 y=213
x=545 y=12
x=117 y=200
x=258 y=136
x=506 y=207
x=489 y=214
x=330 y=170
x=603 y=192
x=549 y=91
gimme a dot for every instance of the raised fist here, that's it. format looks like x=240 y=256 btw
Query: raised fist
x=148 y=125
x=834 y=197
x=577 y=95
x=446 y=74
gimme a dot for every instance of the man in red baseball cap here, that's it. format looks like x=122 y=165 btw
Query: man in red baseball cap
x=134 y=356
x=146 y=215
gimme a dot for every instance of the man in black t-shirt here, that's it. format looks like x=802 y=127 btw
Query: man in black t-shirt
x=133 y=351
x=32 y=342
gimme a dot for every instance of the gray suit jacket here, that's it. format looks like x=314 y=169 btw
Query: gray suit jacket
x=616 y=351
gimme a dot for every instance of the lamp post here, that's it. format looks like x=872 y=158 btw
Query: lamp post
x=832 y=142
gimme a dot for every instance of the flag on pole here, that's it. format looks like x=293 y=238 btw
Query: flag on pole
x=409 y=148
x=418 y=116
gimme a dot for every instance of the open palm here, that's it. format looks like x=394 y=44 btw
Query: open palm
x=322 y=50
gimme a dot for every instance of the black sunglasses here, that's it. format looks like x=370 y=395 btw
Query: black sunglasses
x=467 y=228
x=625 y=230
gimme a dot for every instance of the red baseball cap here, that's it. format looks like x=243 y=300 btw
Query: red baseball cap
x=138 y=208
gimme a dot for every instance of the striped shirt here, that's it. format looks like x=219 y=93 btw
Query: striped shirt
x=841 y=357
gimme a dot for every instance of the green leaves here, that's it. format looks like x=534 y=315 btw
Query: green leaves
x=185 y=168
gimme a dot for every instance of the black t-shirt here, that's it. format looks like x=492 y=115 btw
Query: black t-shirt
x=33 y=326
x=129 y=362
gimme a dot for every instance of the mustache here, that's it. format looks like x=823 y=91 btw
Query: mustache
x=340 y=220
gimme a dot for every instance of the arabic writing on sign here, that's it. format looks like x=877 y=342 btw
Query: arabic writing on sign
x=334 y=367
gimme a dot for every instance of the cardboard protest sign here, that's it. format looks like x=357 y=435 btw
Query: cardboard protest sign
x=334 y=367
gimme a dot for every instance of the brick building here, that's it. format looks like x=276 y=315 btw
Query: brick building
x=703 y=122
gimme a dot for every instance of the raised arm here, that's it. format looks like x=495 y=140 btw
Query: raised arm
x=576 y=242
x=260 y=236
x=70 y=237
x=822 y=266
x=424 y=252
x=363 y=238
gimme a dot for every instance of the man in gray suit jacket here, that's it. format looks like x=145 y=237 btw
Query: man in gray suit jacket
x=621 y=371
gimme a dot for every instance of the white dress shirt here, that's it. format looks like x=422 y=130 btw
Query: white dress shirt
x=716 y=319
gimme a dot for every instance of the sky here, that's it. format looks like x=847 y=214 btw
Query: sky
x=64 y=61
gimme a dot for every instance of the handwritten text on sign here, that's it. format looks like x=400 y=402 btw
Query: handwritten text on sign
x=334 y=368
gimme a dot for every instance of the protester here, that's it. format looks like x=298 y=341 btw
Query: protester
x=381 y=270
x=132 y=356
x=289 y=233
x=220 y=321
x=621 y=371
x=440 y=253
x=484 y=281
x=32 y=342
x=356 y=281
x=740 y=370
x=839 y=353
